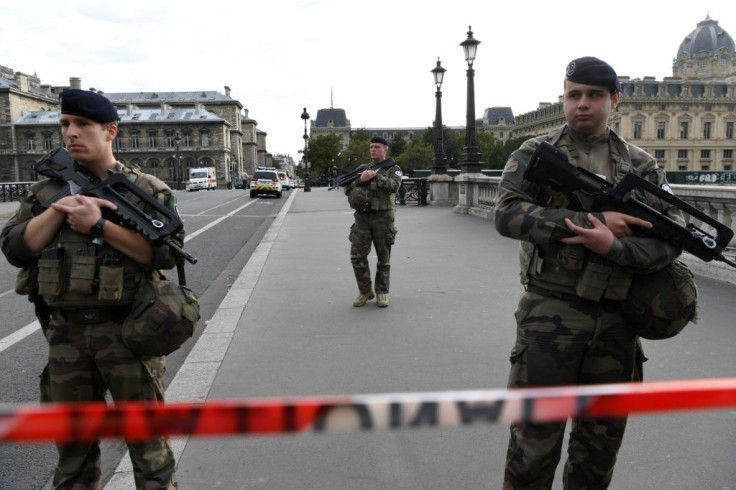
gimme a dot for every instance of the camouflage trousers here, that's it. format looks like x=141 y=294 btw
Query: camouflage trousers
x=561 y=342
x=84 y=362
x=378 y=229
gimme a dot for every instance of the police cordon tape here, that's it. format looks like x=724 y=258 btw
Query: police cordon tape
x=137 y=421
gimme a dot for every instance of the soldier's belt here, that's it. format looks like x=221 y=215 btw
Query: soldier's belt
x=569 y=297
x=91 y=316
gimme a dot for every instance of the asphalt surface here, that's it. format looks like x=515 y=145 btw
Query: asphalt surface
x=287 y=328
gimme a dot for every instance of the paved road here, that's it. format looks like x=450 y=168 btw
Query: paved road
x=293 y=331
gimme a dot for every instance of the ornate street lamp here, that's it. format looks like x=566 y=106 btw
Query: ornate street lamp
x=471 y=155
x=438 y=162
x=307 y=185
x=178 y=170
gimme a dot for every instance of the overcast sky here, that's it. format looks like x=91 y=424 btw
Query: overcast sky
x=374 y=57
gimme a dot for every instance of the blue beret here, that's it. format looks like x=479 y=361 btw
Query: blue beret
x=379 y=139
x=88 y=104
x=592 y=71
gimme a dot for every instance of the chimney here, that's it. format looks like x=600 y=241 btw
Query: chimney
x=75 y=82
x=22 y=81
x=227 y=91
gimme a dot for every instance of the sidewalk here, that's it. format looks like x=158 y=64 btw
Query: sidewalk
x=288 y=328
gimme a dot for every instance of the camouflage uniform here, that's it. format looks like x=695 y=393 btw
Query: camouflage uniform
x=570 y=330
x=375 y=211
x=88 y=357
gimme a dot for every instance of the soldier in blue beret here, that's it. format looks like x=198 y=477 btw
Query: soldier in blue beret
x=576 y=269
x=373 y=197
x=98 y=266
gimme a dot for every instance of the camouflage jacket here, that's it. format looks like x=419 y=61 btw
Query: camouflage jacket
x=15 y=248
x=379 y=193
x=535 y=214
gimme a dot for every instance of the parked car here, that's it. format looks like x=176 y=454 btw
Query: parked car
x=265 y=182
x=285 y=182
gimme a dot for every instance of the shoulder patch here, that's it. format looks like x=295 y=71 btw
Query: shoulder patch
x=398 y=173
x=511 y=167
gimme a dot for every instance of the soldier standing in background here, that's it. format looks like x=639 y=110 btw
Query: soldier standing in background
x=373 y=197
x=576 y=268
x=82 y=270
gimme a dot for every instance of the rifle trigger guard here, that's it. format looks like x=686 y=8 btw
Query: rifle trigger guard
x=157 y=224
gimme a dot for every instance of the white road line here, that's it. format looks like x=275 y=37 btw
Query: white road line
x=24 y=332
x=195 y=377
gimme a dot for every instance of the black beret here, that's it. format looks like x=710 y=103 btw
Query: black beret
x=379 y=139
x=592 y=71
x=88 y=104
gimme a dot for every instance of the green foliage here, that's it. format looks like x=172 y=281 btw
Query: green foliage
x=323 y=152
x=397 y=145
x=417 y=156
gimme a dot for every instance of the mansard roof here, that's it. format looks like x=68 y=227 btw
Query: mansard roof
x=176 y=114
x=331 y=117
x=168 y=97
x=494 y=115
x=707 y=37
x=6 y=83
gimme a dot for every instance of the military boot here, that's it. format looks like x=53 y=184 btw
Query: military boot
x=363 y=298
x=382 y=300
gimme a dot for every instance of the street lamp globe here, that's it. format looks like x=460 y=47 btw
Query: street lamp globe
x=470 y=47
x=439 y=74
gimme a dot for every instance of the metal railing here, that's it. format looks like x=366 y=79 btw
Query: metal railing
x=10 y=191
x=413 y=191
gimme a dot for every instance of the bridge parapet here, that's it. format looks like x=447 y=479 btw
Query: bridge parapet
x=477 y=194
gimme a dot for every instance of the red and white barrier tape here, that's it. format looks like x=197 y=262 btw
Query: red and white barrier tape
x=142 y=420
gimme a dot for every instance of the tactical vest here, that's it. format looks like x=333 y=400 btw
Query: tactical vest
x=75 y=273
x=573 y=269
x=369 y=198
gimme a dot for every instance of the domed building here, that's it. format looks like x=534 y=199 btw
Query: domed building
x=685 y=121
x=707 y=53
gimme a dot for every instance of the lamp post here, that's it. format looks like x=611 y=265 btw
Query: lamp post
x=471 y=155
x=438 y=163
x=178 y=170
x=307 y=185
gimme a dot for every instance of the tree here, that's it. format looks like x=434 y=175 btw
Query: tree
x=397 y=145
x=415 y=157
x=323 y=153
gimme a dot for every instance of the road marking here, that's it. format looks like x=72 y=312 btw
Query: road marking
x=24 y=332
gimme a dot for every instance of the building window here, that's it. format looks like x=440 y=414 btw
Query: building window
x=705 y=154
x=659 y=154
x=187 y=139
x=47 y=142
x=205 y=139
x=637 y=130
x=660 y=130
x=637 y=107
x=706 y=130
x=729 y=130
x=116 y=143
x=151 y=140
x=708 y=107
x=727 y=154
x=134 y=143
x=683 y=130
x=170 y=140
x=662 y=107
x=682 y=154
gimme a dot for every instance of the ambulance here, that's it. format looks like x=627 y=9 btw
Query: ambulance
x=202 y=178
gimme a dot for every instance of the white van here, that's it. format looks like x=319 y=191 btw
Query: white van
x=202 y=178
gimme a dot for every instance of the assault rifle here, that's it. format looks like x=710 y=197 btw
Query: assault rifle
x=59 y=165
x=346 y=179
x=549 y=165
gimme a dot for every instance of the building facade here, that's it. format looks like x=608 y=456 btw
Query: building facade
x=163 y=133
x=685 y=121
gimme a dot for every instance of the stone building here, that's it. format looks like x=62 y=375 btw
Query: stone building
x=164 y=133
x=685 y=121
